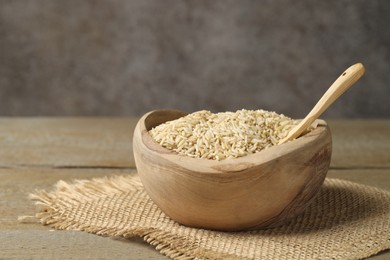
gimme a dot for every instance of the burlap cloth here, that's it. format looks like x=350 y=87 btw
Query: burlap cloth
x=345 y=221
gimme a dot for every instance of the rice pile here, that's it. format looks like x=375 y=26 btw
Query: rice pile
x=224 y=135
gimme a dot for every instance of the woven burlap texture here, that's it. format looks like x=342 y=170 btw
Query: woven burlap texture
x=345 y=221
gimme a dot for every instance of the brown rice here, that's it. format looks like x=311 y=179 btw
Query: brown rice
x=224 y=135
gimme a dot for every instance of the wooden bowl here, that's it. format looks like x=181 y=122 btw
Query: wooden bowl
x=256 y=191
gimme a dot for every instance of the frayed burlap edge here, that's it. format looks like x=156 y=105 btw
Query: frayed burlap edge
x=167 y=244
x=174 y=246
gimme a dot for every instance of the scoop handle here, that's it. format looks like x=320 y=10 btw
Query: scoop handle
x=342 y=83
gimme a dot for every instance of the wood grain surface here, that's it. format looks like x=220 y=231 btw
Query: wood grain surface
x=37 y=152
x=66 y=142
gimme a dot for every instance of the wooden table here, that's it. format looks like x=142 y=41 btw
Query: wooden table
x=37 y=152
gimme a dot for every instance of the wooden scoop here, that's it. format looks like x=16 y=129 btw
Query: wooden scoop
x=260 y=190
x=344 y=82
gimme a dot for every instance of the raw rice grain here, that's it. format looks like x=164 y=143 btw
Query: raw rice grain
x=218 y=136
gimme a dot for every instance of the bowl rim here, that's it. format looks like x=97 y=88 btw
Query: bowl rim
x=229 y=165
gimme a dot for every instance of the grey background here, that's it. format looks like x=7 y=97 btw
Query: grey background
x=129 y=57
